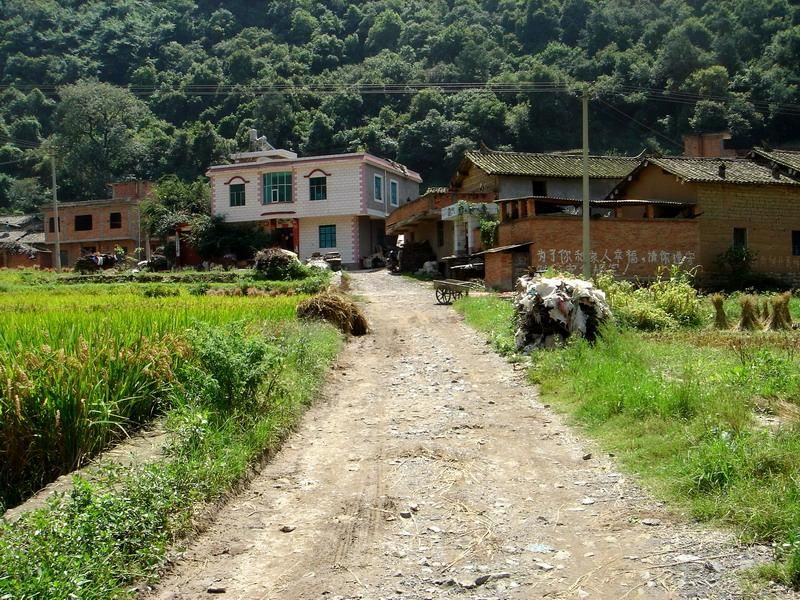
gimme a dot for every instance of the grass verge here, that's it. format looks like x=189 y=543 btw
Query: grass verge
x=237 y=397
x=681 y=409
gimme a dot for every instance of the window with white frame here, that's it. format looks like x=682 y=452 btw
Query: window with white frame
x=377 y=188
x=394 y=193
x=277 y=187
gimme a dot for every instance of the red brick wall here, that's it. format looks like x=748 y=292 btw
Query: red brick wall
x=630 y=247
x=101 y=219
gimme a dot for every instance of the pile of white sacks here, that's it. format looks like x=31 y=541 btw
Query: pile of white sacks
x=549 y=310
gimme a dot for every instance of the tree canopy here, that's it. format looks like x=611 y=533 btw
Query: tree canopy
x=144 y=89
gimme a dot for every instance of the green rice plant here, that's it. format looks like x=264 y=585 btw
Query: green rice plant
x=82 y=368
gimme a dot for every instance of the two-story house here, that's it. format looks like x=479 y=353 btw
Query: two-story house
x=98 y=225
x=333 y=203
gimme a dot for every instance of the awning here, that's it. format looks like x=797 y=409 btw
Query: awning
x=504 y=248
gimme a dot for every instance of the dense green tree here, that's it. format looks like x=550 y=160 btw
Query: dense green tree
x=200 y=73
x=96 y=125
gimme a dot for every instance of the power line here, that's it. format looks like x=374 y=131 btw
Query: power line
x=655 y=131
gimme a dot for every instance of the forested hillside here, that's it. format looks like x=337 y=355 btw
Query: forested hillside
x=138 y=88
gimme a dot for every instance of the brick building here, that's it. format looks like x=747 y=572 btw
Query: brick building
x=22 y=242
x=98 y=225
x=335 y=203
x=421 y=219
x=634 y=238
x=738 y=202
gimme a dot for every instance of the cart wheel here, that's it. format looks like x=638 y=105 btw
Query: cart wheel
x=441 y=296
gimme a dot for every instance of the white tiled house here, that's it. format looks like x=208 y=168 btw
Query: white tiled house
x=334 y=203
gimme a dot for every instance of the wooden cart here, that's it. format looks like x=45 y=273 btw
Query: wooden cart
x=448 y=290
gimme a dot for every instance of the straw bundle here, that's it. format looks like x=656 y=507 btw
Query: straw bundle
x=749 y=320
x=336 y=310
x=720 y=318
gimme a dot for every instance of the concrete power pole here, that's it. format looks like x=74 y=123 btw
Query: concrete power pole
x=56 y=221
x=587 y=241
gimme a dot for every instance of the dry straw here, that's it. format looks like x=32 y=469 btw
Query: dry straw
x=780 y=319
x=720 y=318
x=336 y=310
x=749 y=320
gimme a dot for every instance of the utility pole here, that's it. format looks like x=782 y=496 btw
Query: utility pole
x=587 y=240
x=56 y=221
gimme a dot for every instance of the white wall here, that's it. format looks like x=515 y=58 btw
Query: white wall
x=343 y=183
x=346 y=226
x=568 y=187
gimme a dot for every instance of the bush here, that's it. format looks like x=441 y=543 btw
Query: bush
x=277 y=265
x=670 y=301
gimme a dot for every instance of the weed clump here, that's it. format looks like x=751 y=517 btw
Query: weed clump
x=342 y=313
x=669 y=302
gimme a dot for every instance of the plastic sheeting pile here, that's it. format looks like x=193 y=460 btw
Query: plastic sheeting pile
x=550 y=310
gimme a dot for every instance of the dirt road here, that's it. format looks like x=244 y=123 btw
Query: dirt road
x=430 y=469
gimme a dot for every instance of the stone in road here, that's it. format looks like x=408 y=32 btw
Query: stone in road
x=429 y=469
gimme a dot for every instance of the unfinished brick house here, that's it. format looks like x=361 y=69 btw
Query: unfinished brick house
x=98 y=225
x=749 y=203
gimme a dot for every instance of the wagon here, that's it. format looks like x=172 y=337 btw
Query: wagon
x=448 y=290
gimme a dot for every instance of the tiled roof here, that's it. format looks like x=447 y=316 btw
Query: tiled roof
x=788 y=159
x=17 y=220
x=709 y=170
x=550 y=165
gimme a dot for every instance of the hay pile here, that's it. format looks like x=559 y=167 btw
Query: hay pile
x=720 y=318
x=781 y=318
x=750 y=319
x=336 y=310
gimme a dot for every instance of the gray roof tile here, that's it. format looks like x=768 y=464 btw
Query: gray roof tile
x=551 y=164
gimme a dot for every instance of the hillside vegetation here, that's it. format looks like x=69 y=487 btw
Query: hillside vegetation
x=137 y=88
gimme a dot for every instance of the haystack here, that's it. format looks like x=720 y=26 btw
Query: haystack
x=336 y=310
x=749 y=320
x=781 y=318
x=720 y=318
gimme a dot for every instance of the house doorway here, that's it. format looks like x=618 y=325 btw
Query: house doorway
x=283 y=237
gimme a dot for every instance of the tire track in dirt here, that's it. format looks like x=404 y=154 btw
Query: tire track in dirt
x=429 y=469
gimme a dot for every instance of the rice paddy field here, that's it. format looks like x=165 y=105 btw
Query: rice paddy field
x=82 y=366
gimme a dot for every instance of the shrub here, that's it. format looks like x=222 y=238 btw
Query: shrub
x=668 y=302
x=278 y=265
x=199 y=289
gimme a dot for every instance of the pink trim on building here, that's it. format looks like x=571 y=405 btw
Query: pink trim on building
x=363 y=189
x=356 y=242
x=366 y=158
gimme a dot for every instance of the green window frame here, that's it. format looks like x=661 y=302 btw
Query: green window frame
x=237 y=196
x=277 y=187
x=318 y=188
x=327 y=236
x=394 y=193
x=377 y=188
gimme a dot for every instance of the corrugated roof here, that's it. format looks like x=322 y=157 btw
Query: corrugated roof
x=709 y=170
x=788 y=159
x=436 y=190
x=551 y=165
